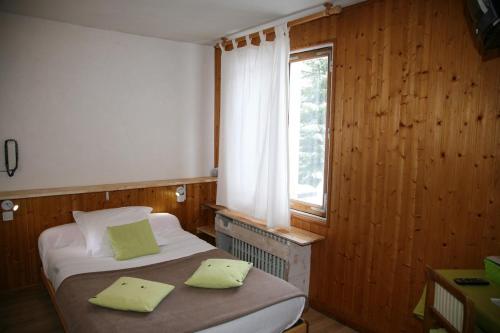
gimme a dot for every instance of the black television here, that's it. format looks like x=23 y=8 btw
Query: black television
x=485 y=21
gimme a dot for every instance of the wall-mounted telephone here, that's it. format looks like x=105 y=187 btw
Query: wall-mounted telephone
x=11 y=156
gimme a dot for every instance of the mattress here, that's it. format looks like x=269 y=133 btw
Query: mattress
x=62 y=251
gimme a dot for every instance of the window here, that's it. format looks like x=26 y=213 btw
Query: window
x=309 y=129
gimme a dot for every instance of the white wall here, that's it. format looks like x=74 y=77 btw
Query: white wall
x=90 y=106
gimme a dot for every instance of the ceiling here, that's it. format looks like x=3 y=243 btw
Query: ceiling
x=196 y=21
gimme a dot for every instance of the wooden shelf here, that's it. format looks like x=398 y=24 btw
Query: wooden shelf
x=207 y=230
x=101 y=188
x=214 y=206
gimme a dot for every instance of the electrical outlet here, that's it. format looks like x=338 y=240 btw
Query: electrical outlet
x=8 y=216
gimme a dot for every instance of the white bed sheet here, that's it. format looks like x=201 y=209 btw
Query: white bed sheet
x=61 y=263
x=64 y=260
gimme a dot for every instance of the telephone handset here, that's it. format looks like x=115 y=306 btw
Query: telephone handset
x=8 y=145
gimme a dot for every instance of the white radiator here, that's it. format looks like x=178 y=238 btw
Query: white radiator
x=449 y=307
x=269 y=252
x=261 y=259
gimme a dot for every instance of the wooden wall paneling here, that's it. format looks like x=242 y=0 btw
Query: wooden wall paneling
x=358 y=174
x=466 y=149
x=19 y=238
x=375 y=148
x=337 y=249
x=434 y=130
x=488 y=170
x=490 y=238
x=407 y=133
x=409 y=130
x=429 y=125
x=415 y=164
x=452 y=138
x=365 y=148
x=398 y=129
x=349 y=168
x=422 y=32
x=451 y=115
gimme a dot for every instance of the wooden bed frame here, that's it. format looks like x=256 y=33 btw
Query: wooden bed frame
x=301 y=326
x=52 y=294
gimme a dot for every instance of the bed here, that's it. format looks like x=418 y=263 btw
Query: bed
x=65 y=264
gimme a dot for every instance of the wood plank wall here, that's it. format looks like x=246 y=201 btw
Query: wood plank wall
x=19 y=259
x=416 y=158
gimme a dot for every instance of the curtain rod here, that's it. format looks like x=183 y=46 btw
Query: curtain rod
x=329 y=10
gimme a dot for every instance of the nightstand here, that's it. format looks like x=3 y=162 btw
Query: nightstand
x=206 y=229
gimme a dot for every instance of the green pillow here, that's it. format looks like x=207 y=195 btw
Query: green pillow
x=132 y=294
x=132 y=240
x=219 y=274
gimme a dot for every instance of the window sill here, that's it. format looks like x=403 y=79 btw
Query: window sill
x=308 y=217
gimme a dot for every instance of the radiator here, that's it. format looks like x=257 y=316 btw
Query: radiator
x=269 y=252
x=449 y=307
x=261 y=259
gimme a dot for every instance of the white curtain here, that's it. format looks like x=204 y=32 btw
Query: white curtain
x=253 y=149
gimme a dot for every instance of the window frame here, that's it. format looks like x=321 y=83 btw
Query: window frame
x=302 y=207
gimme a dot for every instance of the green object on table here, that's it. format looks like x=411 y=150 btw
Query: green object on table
x=487 y=313
x=492 y=269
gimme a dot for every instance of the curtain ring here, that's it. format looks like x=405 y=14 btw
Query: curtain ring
x=282 y=29
x=222 y=47
x=286 y=29
x=262 y=36
x=249 y=40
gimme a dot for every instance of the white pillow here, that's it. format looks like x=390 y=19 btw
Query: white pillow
x=163 y=224
x=58 y=237
x=94 y=225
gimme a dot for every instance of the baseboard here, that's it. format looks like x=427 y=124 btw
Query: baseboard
x=301 y=326
x=341 y=318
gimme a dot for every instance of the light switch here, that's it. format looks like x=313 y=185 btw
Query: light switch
x=8 y=216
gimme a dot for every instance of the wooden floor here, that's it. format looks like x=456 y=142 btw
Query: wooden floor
x=30 y=310
x=319 y=323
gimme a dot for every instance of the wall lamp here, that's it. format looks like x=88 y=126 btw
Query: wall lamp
x=8 y=209
x=180 y=193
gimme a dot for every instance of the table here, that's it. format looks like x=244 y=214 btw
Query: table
x=208 y=230
x=487 y=313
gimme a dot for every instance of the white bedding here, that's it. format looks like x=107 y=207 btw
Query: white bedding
x=63 y=254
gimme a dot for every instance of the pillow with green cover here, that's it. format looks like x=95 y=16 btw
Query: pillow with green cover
x=219 y=274
x=132 y=294
x=132 y=240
